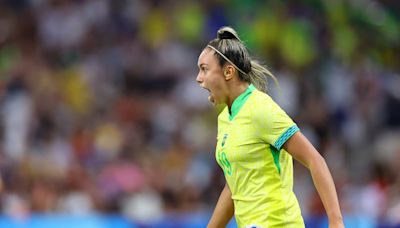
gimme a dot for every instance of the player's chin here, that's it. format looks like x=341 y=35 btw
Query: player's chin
x=213 y=101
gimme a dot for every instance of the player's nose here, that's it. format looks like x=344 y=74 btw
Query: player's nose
x=199 y=78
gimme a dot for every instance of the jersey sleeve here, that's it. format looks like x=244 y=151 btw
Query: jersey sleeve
x=274 y=126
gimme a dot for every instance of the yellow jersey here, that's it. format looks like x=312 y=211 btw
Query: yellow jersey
x=258 y=171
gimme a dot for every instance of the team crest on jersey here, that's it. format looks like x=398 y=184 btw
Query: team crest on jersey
x=224 y=140
x=253 y=226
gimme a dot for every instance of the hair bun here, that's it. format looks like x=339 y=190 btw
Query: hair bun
x=227 y=33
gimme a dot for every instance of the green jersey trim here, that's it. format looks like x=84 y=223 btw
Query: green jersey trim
x=285 y=136
x=239 y=101
x=276 y=153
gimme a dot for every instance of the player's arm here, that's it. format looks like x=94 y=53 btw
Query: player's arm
x=303 y=151
x=223 y=211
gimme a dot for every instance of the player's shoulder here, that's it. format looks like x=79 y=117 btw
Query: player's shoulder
x=261 y=100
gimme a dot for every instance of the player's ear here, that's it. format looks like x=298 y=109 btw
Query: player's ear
x=228 y=72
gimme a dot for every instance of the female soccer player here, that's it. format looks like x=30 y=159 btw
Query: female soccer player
x=256 y=142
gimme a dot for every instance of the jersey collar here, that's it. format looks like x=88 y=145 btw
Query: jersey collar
x=239 y=101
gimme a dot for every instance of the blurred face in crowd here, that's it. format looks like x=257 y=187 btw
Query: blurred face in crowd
x=211 y=77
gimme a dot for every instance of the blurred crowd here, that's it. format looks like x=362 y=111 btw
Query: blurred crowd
x=100 y=111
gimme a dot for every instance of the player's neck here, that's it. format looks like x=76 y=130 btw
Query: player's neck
x=236 y=90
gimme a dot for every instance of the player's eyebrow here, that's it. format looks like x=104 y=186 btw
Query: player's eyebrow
x=202 y=65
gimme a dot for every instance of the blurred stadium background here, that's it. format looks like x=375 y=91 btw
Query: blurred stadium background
x=103 y=124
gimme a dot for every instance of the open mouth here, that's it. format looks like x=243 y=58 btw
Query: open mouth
x=206 y=89
x=210 y=97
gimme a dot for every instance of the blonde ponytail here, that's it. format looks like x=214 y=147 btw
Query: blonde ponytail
x=258 y=76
